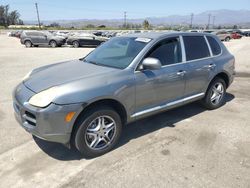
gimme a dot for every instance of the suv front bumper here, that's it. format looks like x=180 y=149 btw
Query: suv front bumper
x=46 y=123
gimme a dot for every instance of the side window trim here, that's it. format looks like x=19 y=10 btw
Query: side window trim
x=183 y=51
x=221 y=49
x=209 y=47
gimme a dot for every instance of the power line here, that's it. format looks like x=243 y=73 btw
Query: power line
x=37 y=12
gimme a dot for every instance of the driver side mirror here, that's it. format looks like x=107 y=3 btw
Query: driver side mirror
x=150 y=64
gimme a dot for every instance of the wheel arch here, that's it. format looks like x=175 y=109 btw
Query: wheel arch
x=221 y=75
x=116 y=105
x=27 y=40
x=52 y=40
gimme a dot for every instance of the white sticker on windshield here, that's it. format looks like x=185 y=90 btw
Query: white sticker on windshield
x=146 y=40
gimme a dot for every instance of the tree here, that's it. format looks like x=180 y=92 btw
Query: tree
x=145 y=24
x=90 y=26
x=9 y=18
x=13 y=17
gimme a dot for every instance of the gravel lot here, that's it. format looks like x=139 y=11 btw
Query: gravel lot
x=185 y=147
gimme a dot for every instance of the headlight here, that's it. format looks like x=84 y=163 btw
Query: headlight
x=27 y=76
x=44 y=98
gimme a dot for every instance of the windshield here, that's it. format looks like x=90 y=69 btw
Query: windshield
x=117 y=52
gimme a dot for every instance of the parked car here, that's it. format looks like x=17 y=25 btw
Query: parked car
x=194 y=31
x=208 y=31
x=236 y=35
x=39 y=38
x=223 y=35
x=85 y=103
x=246 y=33
x=98 y=33
x=64 y=34
x=238 y=31
x=85 y=39
x=15 y=33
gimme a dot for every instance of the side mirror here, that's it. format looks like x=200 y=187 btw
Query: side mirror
x=150 y=64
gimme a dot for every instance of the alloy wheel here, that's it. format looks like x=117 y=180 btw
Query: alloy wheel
x=100 y=133
x=217 y=93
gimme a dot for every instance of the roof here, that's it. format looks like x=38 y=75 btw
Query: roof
x=156 y=35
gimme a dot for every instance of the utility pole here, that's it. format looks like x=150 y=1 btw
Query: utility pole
x=209 y=18
x=191 y=22
x=213 y=21
x=125 y=19
x=37 y=12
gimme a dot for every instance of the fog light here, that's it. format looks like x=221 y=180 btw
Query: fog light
x=69 y=116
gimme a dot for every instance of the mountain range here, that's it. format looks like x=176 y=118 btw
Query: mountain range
x=219 y=17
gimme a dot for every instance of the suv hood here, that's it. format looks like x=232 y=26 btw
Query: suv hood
x=57 y=74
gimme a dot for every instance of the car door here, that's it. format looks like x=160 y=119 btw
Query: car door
x=200 y=64
x=157 y=88
x=86 y=41
x=34 y=37
x=43 y=38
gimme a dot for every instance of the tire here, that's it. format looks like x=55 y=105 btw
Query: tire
x=227 y=39
x=75 y=44
x=53 y=44
x=28 y=44
x=215 y=95
x=91 y=137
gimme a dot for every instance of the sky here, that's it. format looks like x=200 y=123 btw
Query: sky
x=114 y=9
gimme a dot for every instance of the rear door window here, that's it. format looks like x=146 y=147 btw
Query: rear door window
x=215 y=47
x=196 y=47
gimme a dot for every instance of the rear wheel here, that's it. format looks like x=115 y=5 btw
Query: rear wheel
x=227 y=39
x=97 y=132
x=28 y=44
x=53 y=44
x=76 y=44
x=215 y=95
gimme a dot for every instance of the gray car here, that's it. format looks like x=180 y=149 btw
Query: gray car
x=41 y=38
x=85 y=103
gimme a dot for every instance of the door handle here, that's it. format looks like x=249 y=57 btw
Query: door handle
x=181 y=73
x=211 y=66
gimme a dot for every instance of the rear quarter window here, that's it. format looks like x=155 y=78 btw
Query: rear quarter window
x=196 y=47
x=214 y=45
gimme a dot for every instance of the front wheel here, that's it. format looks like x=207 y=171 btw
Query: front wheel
x=28 y=44
x=97 y=132
x=215 y=95
x=53 y=44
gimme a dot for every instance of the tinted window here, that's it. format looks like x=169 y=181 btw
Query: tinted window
x=31 y=33
x=215 y=47
x=196 y=47
x=167 y=51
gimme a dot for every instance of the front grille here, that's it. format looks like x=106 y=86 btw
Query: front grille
x=29 y=118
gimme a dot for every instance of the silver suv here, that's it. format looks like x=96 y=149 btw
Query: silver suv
x=223 y=35
x=85 y=103
x=41 y=38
